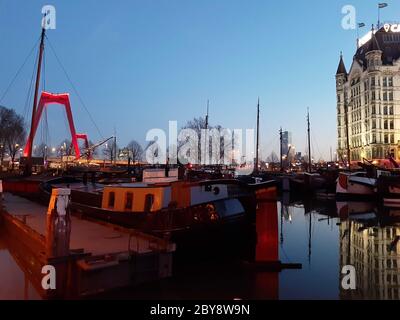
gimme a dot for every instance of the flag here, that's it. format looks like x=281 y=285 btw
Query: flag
x=382 y=5
x=361 y=25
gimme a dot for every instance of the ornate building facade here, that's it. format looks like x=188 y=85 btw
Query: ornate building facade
x=368 y=99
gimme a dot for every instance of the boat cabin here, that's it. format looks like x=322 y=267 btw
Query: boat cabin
x=147 y=197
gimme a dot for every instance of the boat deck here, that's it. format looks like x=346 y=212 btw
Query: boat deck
x=93 y=237
x=101 y=256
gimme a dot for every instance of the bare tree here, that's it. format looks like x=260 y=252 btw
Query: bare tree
x=65 y=147
x=218 y=144
x=41 y=151
x=135 y=150
x=12 y=133
x=110 y=150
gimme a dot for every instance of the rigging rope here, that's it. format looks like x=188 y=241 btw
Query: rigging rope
x=18 y=72
x=74 y=88
x=28 y=107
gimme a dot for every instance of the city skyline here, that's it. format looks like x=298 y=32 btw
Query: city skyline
x=139 y=65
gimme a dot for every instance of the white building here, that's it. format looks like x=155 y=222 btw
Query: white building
x=368 y=98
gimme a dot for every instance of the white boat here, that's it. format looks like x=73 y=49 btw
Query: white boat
x=356 y=184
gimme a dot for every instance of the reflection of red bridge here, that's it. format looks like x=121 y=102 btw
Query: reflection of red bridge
x=62 y=99
x=267 y=250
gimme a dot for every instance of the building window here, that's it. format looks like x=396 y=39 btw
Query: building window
x=385 y=125
x=111 y=200
x=390 y=96
x=391 y=110
x=385 y=96
x=385 y=110
x=391 y=125
x=386 y=138
x=372 y=81
x=390 y=82
x=392 y=138
x=373 y=95
x=129 y=201
x=385 y=81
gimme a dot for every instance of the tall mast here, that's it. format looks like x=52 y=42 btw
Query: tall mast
x=281 y=147
x=206 y=133
x=309 y=142
x=208 y=108
x=28 y=167
x=258 y=136
x=346 y=107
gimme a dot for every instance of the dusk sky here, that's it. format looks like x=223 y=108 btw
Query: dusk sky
x=139 y=64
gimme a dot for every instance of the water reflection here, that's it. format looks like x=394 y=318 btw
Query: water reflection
x=373 y=249
x=323 y=236
x=330 y=235
x=15 y=284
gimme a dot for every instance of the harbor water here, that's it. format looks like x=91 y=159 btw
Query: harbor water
x=323 y=237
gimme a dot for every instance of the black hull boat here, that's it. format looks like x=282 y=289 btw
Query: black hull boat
x=191 y=214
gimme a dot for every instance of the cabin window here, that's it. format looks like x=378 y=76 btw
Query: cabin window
x=148 y=204
x=111 y=199
x=129 y=201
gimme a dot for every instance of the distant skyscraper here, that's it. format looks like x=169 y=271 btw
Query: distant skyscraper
x=368 y=99
x=286 y=142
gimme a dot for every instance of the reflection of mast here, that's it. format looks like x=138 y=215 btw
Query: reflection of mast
x=349 y=249
x=281 y=235
x=309 y=238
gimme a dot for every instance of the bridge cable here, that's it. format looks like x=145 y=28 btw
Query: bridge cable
x=18 y=72
x=74 y=88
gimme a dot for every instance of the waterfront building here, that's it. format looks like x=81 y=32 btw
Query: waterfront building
x=286 y=142
x=368 y=98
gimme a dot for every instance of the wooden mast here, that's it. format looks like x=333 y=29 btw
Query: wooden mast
x=28 y=166
x=309 y=142
x=281 y=148
x=206 y=134
x=258 y=137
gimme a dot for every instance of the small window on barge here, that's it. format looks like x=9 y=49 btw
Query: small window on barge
x=129 y=201
x=149 y=201
x=111 y=200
